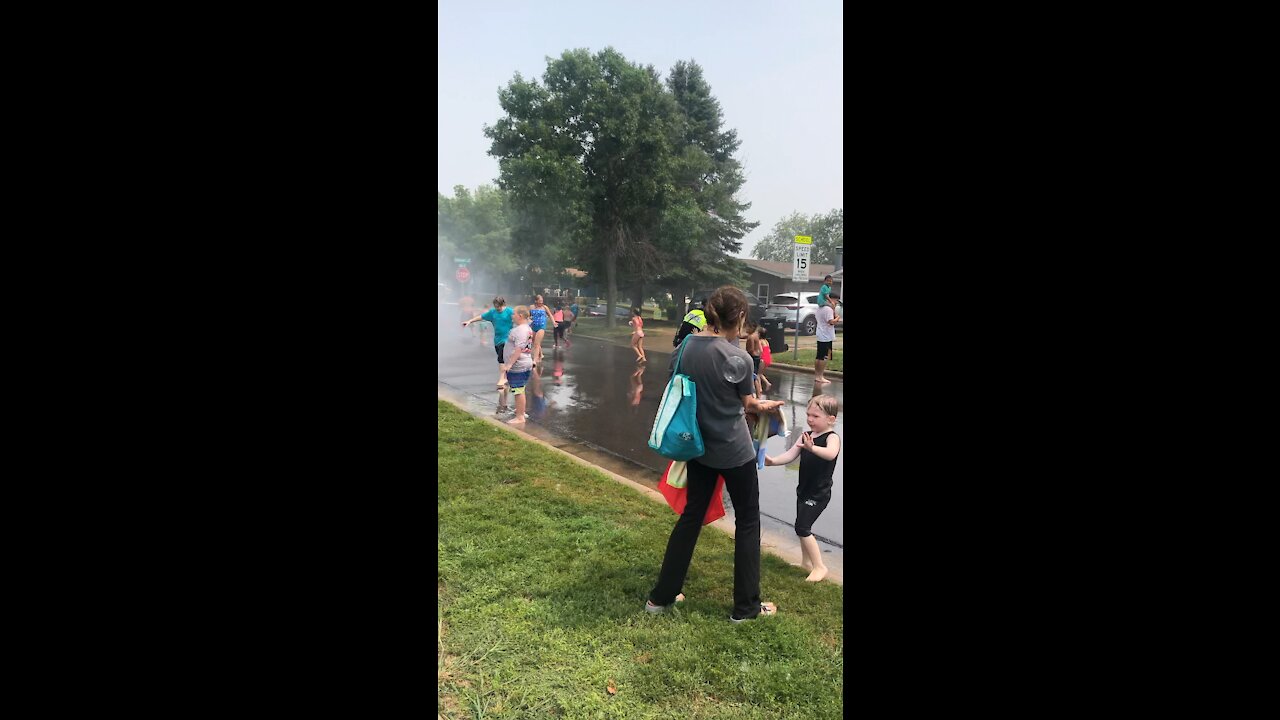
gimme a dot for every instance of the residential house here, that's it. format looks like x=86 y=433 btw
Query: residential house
x=768 y=278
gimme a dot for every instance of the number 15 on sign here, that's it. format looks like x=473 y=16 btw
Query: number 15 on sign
x=800 y=263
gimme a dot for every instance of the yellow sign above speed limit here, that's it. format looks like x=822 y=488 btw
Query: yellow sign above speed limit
x=804 y=239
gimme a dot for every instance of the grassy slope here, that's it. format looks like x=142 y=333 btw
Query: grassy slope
x=544 y=566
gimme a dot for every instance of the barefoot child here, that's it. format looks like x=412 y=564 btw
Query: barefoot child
x=637 y=335
x=766 y=359
x=558 y=317
x=817 y=450
x=539 y=315
x=753 y=349
x=519 y=364
x=500 y=317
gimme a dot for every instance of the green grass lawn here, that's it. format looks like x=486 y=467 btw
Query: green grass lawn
x=595 y=327
x=658 y=335
x=544 y=566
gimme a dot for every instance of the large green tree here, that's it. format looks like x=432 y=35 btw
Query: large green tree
x=827 y=231
x=633 y=178
x=709 y=223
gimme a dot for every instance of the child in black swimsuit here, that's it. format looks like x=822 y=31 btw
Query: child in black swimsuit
x=817 y=468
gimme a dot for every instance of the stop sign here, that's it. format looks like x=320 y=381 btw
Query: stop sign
x=463 y=274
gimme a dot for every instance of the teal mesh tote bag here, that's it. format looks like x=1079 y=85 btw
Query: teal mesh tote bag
x=675 y=432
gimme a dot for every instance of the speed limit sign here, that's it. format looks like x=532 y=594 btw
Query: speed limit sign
x=800 y=258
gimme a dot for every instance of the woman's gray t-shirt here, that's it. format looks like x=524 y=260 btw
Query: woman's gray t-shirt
x=721 y=418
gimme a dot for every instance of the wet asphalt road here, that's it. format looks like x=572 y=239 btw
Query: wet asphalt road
x=594 y=401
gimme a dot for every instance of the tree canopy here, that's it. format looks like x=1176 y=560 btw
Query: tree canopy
x=627 y=177
x=827 y=231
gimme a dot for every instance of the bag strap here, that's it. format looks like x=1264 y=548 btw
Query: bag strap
x=680 y=354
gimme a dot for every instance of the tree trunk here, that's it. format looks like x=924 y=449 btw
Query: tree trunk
x=611 y=275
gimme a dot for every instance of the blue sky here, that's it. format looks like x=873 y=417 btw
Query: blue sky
x=777 y=69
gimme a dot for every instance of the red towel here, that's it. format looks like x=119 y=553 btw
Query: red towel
x=676 y=497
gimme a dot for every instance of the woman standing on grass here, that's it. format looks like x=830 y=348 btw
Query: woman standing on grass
x=721 y=372
x=637 y=335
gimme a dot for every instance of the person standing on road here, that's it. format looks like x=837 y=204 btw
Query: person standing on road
x=694 y=321
x=573 y=308
x=753 y=349
x=817 y=469
x=721 y=372
x=637 y=334
x=519 y=365
x=563 y=317
x=826 y=334
x=500 y=317
x=540 y=315
x=570 y=317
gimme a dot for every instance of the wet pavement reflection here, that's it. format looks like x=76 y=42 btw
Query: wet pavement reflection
x=596 y=402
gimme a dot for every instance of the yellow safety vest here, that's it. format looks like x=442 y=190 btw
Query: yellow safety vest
x=696 y=318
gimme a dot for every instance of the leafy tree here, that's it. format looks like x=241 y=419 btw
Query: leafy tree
x=633 y=179
x=827 y=231
x=508 y=245
x=708 y=225
x=477 y=226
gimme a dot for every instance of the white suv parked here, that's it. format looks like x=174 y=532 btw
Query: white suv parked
x=783 y=306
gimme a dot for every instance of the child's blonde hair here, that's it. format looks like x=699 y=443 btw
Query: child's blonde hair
x=521 y=310
x=826 y=403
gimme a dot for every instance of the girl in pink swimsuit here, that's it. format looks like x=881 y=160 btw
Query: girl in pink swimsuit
x=637 y=337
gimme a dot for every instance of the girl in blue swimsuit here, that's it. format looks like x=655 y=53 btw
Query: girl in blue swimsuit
x=539 y=317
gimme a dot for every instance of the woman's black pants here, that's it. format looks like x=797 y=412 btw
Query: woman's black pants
x=744 y=490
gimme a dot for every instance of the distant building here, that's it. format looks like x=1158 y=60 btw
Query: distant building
x=768 y=278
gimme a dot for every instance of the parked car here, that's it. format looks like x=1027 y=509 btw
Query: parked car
x=602 y=309
x=784 y=306
x=756 y=309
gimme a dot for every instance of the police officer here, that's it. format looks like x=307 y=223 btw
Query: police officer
x=694 y=321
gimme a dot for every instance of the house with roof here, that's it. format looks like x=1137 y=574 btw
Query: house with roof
x=768 y=278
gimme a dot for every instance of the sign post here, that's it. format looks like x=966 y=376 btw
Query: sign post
x=463 y=274
x=800 y=252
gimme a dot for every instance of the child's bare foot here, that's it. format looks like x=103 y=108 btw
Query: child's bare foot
x=817 y=574
x=517 y=420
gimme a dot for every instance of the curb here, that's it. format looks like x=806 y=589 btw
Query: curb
x=723 y=524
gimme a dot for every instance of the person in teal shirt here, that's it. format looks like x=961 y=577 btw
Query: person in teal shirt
x=824 y=291
x=501 y=317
